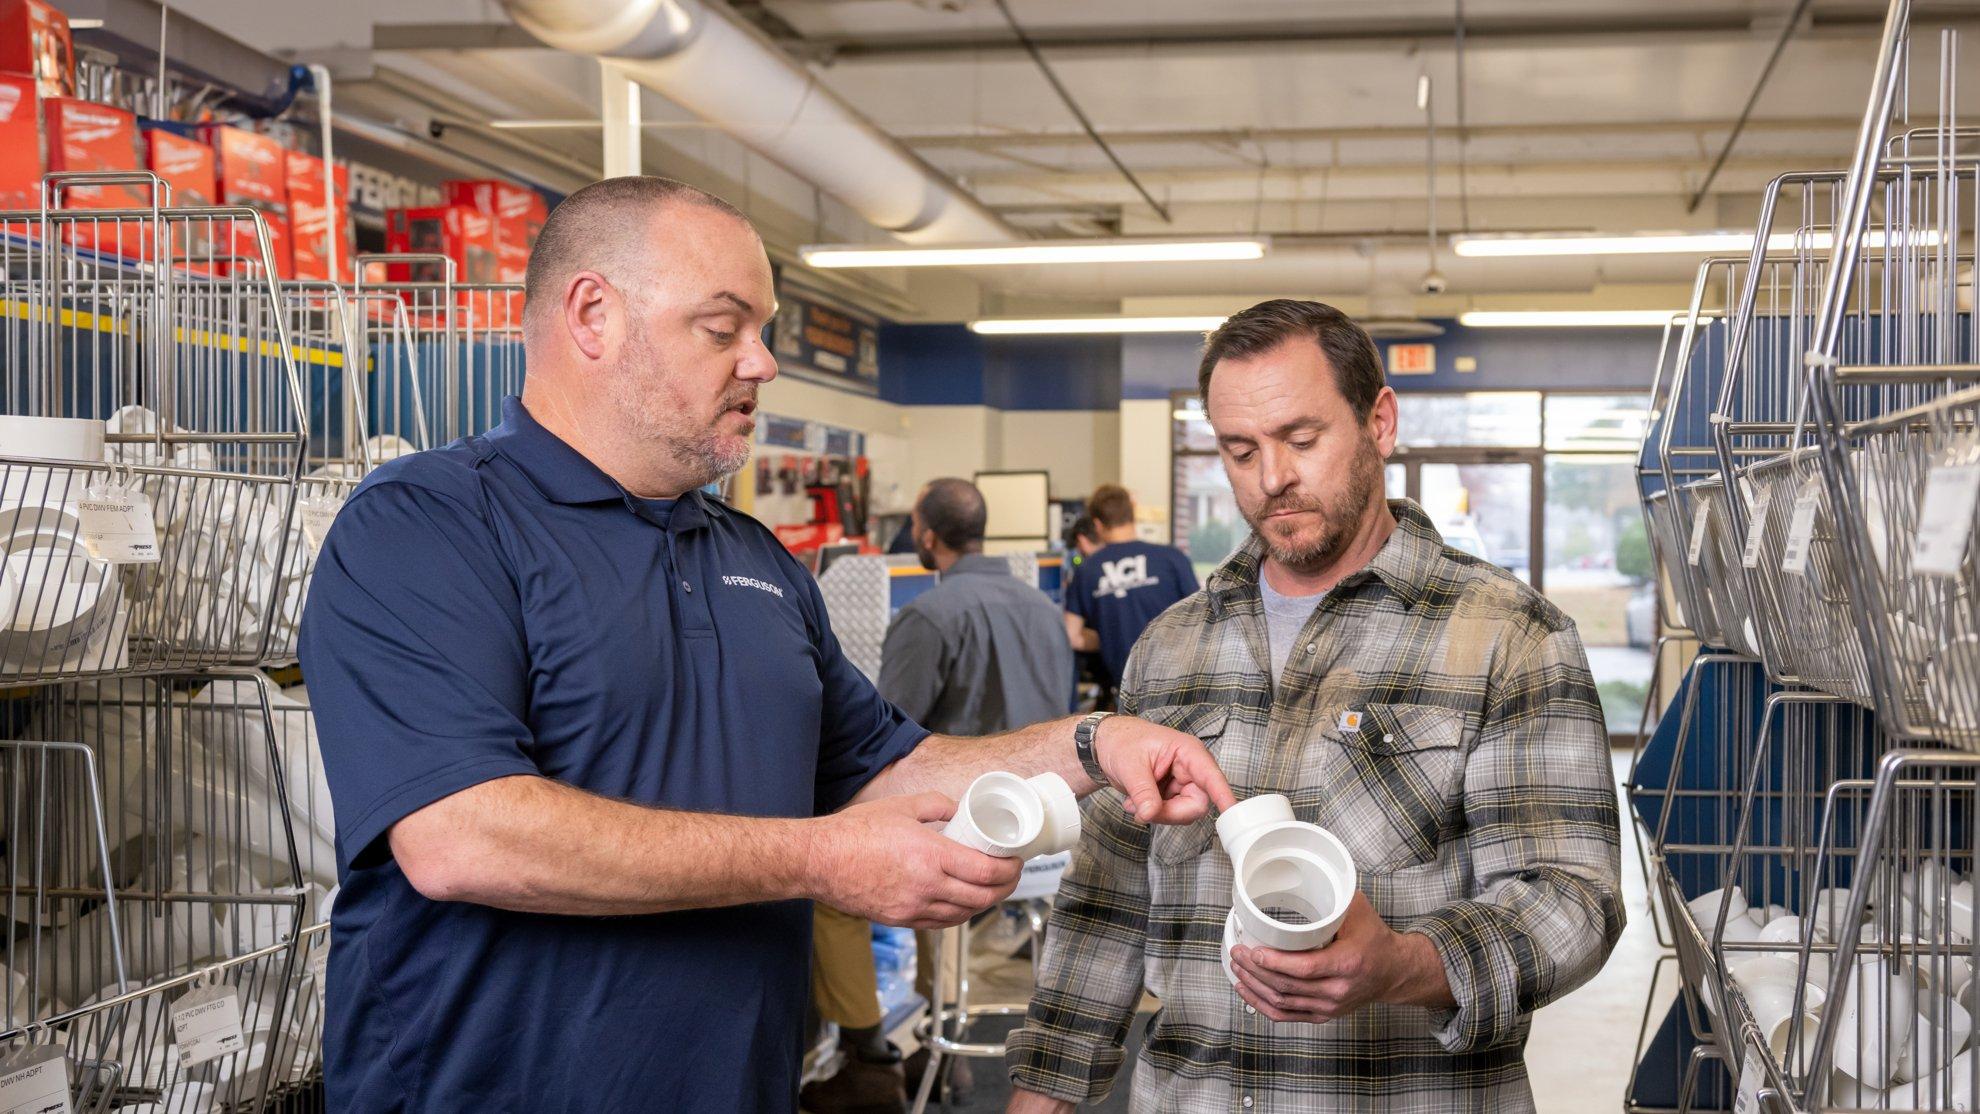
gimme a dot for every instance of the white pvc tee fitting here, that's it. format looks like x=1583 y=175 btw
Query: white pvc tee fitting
x=1010 y=817
x=1291 y=881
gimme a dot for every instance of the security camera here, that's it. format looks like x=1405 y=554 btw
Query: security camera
x=1433 y=282
x=436 y=129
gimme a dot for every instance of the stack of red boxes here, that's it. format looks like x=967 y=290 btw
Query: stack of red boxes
x=21 y=159
x=519 y=214
x=36 y=60
x=312 y=214
x=487 y=228
x=188 y=166
x=87 y=136
x=35 y=43
x=253 y=172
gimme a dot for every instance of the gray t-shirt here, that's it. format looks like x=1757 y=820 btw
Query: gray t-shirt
x=1284 y=616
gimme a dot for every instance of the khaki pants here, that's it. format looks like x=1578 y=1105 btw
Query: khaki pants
x=843 y=984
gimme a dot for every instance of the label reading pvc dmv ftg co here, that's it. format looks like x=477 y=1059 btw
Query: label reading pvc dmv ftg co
x=1945 y=519
x=117 y=526
x=206 y=1025
x=35 y=1081
x=1756 y=529
x=1698 y=533
x=317 y=515
x=1801 y=528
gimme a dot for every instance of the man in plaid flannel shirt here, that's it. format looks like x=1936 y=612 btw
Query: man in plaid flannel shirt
x=1427 y=708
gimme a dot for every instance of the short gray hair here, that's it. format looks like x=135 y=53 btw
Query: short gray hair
x=587 y=230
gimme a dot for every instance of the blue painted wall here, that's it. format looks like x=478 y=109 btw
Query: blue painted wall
x=947 y=365
x=1508 y=360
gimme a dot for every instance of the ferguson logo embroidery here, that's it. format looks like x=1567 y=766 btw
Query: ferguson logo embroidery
x=1118 y=578
x=752 y=582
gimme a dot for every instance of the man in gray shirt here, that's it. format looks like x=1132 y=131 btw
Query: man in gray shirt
x=981 y=649
x=1285 y=617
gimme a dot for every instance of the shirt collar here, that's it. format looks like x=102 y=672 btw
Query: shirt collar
x=979 y=563
x=1403 y=563
x=565 y=475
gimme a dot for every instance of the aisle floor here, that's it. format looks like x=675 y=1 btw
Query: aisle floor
x=1582 y=1048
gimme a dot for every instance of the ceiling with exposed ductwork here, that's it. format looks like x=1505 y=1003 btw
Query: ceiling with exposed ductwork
x=1297 y=120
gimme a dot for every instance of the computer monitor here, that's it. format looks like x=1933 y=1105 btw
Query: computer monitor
x=830 y=553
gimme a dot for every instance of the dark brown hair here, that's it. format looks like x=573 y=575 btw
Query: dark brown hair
x=1111 y=506
x=1255 y=331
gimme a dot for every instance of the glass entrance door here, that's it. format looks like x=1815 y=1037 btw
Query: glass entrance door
x=1484 y=502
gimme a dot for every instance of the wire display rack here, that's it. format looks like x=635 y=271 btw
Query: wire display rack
x=1810 y=477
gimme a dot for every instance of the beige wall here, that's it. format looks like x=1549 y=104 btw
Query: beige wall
x=1144 y=470
x=910 y=445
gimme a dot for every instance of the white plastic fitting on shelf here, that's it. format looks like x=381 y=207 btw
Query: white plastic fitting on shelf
x=1010 y=817
x=1291 y=882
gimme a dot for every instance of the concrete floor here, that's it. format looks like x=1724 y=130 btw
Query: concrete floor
x=1583 y=1046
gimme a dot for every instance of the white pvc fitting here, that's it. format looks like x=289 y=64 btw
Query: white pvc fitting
x=1010 y=817
x=1291 y=882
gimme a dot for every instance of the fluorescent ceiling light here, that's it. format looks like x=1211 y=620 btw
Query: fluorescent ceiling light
x=1565 y=318
x=1044 y=326
x=1666 y=243
x=1070 y=251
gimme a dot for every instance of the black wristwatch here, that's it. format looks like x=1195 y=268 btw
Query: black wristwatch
x=1083 y=746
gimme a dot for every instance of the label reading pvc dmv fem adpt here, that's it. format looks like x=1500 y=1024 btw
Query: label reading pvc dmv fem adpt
x=1751 y=1075
x=117 y=526
x=317 y=515
x=35 y=1081
x=1945 y=519
x=206 y=1025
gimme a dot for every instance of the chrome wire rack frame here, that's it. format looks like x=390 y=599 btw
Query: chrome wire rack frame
x=463 y=349
x=201 y=849
x=1909 y=230
x=183 y=363
x=120 y=1052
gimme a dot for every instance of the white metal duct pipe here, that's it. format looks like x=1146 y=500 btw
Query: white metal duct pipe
x=702 y=59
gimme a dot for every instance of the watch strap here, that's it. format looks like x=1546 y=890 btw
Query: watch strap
x=1083 y=736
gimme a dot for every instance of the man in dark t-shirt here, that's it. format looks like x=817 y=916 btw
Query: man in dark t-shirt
x=1123 y=585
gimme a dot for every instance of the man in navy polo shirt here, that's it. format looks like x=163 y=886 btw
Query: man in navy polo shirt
x=1120 y=587
x=592 y=744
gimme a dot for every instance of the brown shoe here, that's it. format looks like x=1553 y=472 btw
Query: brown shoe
x=959 y=1081
x=859 y=1088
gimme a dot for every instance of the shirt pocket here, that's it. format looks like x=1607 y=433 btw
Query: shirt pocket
x=1177 y=844
x=1396 y=800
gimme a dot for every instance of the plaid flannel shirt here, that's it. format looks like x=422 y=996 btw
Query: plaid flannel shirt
x=1473 y=789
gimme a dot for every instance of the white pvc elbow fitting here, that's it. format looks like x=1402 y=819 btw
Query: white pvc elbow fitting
x=1010 y=817
x=1291 y=881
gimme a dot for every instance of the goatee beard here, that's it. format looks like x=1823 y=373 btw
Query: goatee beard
x=1340 y=518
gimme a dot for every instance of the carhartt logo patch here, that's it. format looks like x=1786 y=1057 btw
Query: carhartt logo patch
x=752 y=582
x=1350 y=721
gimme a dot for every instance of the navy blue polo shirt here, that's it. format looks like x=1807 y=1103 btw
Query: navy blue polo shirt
x=499 y=607
x=1120 y=589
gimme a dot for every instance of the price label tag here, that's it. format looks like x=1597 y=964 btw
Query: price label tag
x=317 y=515
x=35 y=1081
x=206 y=1025
x=1801 y=528
x=1756 y=529
x=1945 y=519
x=117 y=526
x=1698 y=533
x=1751 y=1077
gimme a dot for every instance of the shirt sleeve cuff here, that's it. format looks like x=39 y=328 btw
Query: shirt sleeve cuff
x=1060 y=1067
x=833 y=796
x=409 y=798
x=1480 y=958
